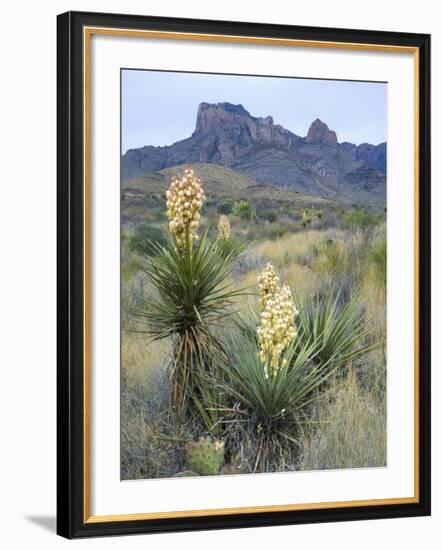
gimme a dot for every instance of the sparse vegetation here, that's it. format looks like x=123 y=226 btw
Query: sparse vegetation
x=292 y=378
x=145 y=239
x=359 y=219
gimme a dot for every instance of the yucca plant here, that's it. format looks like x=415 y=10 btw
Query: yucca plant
x=230 y=247
x=191 y=297
x=274 y=376
x=226 y=243
x=341 y=330
x=191 y=290
x=273 y=407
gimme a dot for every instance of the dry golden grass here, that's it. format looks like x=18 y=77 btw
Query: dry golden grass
x=302 y=280
x=290 y=247
x=141 y=359
x=350 y=430
x=288 y=255
x=374 y=298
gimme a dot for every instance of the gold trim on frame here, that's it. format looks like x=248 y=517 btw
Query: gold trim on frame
x=87 y=33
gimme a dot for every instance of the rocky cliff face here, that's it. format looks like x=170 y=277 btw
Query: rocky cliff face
x=374 y=156
x=229 y=135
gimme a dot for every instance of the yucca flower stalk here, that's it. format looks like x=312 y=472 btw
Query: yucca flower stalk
x=185 y=197
x=277 y=329
x=268 y=284
x=224 y=227
x=277 y=326
x=226 y=243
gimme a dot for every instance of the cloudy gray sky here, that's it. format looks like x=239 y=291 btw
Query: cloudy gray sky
x=159 y=108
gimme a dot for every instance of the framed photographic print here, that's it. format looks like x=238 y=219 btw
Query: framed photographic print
x=243 y=274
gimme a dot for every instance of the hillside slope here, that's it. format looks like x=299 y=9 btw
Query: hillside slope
x=143 y=198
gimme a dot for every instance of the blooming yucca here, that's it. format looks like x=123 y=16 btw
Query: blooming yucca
x=192 y=294
x=268 y=283
x=224 y=227
x=277 y=328
x=185 y=198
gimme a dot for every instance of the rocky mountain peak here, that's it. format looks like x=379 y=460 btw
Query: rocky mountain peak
x=228 y=135
x=212 y=116
x=319 y=132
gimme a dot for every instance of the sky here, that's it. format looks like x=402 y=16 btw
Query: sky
x=159 y=108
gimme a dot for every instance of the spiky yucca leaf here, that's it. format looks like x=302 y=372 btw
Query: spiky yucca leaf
x=340 y=330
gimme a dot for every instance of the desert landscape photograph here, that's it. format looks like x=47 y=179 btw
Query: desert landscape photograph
x=253 y=274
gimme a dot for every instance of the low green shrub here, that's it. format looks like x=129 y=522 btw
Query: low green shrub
x=146 y=238
x=225 y=208
x=276 y=232
x=271 y=216
x=243 y=209
x=359 y=218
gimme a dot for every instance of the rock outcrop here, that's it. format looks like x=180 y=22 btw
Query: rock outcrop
x=319 y=133
x=228 y=135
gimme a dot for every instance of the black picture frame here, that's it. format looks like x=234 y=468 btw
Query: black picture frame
x=71 y=498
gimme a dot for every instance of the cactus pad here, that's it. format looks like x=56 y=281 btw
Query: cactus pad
x=205 y=455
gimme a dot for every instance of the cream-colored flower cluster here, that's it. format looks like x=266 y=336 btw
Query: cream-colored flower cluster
x=224 y=227
x=185 y=198
x=277 y=328
x=268 y=283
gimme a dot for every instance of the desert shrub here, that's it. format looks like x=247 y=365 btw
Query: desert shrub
x=359 y=218
x=243 y=209
x=318 y=248
x=306 y=218
x=270 y=215
x=145 y=239
x=276 y=232
x=159 y=216
x=225 y=208
x=330 y=257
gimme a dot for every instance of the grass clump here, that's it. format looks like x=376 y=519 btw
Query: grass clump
x=348 y=429
x=379 y=260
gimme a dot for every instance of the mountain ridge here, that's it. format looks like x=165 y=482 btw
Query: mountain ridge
x=228 y=135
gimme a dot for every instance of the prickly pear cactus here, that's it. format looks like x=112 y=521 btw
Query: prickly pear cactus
x=205 y=455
